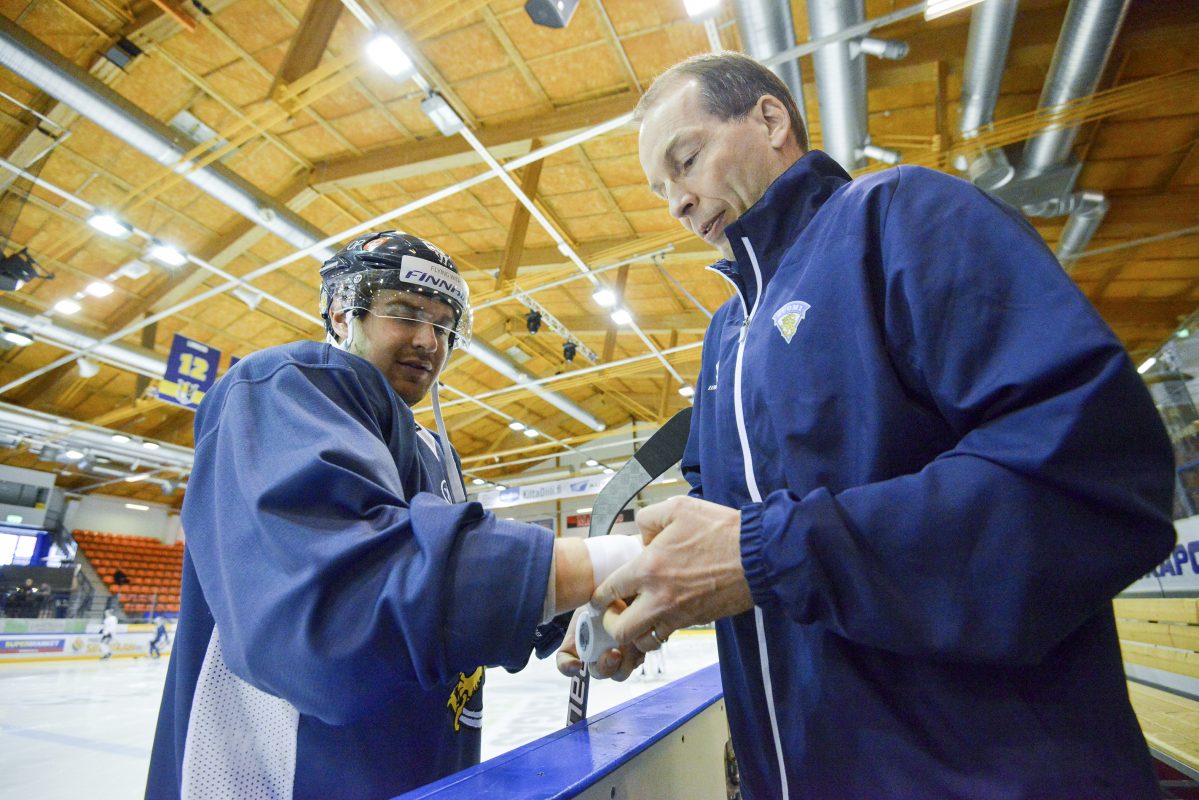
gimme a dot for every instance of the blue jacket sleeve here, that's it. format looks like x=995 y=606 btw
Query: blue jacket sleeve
x=1057 y=493
x=329 y=583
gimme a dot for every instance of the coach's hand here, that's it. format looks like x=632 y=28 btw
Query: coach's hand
x=689 y=574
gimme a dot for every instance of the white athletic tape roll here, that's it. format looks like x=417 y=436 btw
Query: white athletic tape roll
x=610 y=553
x=590 y=637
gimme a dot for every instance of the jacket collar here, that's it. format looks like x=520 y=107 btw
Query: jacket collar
x=774 y=223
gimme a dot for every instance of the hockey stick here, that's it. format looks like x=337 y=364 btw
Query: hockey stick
x=659 y=453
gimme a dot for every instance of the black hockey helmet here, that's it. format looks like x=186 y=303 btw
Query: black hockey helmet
x=394 y=260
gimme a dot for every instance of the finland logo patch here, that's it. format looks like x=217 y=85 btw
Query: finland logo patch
x=787 y=318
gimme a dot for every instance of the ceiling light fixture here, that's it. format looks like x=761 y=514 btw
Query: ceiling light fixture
x=700 y=10
x=87 y=367
x=109 y=225
x=17 y=338
x=67 y=306
x=120 y=438
x=516 y=426
x=551 y=13
x=442 y=114
x=604 y=297
x=389 y=56
x=137 y=507
x=1148 y=365
x=99 y=289
x=167 y=254
x=687 y=391
x=939 y=8
x=622 y=316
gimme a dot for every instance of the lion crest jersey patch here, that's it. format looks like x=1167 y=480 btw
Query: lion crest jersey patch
x=787 y=318
x=468 y=686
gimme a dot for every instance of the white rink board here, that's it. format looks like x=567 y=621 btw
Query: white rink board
x=1178 y=575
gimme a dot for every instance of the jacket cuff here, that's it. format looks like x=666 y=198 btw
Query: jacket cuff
x=753 y=560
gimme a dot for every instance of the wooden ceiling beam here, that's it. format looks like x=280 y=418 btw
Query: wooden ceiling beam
x=309 y=43
x=1144 y=312
x=518 y=228
x=441 y=152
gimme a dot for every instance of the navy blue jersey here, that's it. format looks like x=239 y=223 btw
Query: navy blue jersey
x=337 y=611
x=947 y=466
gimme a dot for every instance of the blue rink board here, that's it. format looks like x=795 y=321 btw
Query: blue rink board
x=565 y=763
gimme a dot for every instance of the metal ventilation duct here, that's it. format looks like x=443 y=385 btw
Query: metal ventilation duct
x=67 y=83
x=135 y=359
x=986 y=55
x=766 y=28
x=1045 y=180
x=1085 y=44
x=840 y=81
x=1084 y=220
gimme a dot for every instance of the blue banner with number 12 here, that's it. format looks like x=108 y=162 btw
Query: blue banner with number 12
x=191 y=371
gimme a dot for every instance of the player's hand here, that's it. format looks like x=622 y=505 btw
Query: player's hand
x=690 y=572
x=615 y=664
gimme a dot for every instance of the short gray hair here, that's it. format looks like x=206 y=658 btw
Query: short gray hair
x=731 y=85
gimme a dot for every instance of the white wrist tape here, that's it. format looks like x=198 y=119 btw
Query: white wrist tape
x=591 y=639
x=610 y=553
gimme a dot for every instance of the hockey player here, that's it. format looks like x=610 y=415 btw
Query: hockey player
x=338 y=608
x=108 y=629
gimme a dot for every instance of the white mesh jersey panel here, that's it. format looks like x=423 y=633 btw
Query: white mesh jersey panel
x=241 y=741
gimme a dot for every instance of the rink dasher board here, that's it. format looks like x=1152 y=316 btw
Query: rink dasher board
x=130 y=641
x=1178 y=575
x=668 y=744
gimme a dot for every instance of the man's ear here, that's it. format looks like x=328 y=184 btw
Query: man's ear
x=778 y=121
x=339 y=321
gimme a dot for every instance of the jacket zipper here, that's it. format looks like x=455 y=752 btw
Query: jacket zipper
x=755 y=494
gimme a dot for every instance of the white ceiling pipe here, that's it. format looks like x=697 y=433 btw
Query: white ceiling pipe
x=138 y=359
x=70 y=85
x=493 y=359
x=840 y=81
x=563 y=246
x=66 y=433
x=563 y=376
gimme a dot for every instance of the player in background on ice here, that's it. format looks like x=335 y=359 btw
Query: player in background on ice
x=108 y=629
x=160 y=637
x=339 y=600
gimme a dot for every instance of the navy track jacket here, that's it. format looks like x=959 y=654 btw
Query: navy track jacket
x=335 y=607
x=947 y=466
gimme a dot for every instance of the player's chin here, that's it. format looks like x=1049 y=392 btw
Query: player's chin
x=410 y=390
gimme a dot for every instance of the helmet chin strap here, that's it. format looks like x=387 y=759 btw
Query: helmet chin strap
x=453 y=478
x=457 y=489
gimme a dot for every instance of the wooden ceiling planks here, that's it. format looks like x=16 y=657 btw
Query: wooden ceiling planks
x=370 y=149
